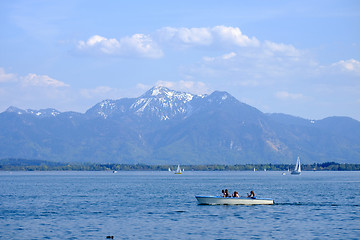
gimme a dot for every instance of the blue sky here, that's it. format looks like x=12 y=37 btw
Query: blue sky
x=295 y=57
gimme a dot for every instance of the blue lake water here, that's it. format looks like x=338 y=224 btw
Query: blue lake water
x=161 y=205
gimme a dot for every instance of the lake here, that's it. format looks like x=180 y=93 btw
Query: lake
x=161 y=205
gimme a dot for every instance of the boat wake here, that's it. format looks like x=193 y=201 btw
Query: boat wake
x=319 y=204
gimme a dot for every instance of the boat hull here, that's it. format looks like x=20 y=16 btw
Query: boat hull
x=214 y=200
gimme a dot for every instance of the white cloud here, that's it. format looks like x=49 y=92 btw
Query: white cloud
x=148 y=46
x=41 y=81
x=280 y=48
x=33 y=91
x=31 y=79
x=229 y=55
x=187 y=86
x=6 y=77
x=350 y=65
x=226 y=56
x=220 y=36
x=96 y=39
x=286 y=95
x=189 y=36
x=139 y=45
x=267 y=64
x=233 y=35
x=142 y=44
x=102 y=44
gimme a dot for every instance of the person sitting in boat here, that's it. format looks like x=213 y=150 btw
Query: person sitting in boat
x=227 y=194
x=251 y=195
x=223 y=193
x=235 y=195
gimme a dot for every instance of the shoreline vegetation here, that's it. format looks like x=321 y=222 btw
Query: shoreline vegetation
x=39 y=165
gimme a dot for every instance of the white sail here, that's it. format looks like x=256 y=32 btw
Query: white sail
x=299 y=165
x=297 y=169
x=178 y=170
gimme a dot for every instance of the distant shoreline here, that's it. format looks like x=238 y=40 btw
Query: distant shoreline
x=38 y=165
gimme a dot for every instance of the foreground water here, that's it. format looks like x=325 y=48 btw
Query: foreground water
x=161 y=205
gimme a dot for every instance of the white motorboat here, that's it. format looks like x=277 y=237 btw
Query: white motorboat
x=297 y=169
x=217 y=200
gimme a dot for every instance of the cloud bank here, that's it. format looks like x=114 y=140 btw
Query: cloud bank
x=32 y=90
x=151 y=46
x=31 y=79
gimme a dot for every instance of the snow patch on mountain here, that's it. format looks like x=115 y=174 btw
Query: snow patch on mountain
x=141 y=104
x=106 y=107
x=108 y=104
x=50 y=112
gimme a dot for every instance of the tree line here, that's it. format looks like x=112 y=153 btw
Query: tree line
x=46 y=166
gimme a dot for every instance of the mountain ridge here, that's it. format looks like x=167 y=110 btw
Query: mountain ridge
x=164 y=126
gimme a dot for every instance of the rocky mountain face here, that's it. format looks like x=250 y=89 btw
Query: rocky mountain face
x=169 y=127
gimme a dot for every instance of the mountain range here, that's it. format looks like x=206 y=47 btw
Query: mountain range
x=164 y=126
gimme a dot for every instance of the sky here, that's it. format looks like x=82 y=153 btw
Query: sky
x=295 y=57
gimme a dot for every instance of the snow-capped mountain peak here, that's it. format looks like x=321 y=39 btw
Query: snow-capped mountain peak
x=163 y=103
x=159 y=103
x=166 y=93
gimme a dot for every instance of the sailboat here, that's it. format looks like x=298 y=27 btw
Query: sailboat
x=178 y=170
x=297 y=169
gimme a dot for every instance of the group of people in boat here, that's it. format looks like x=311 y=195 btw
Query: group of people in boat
x=226 y=194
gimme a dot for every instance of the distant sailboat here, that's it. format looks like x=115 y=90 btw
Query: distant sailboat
x=169 y=169
x=178 y=170
x=297 y=169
